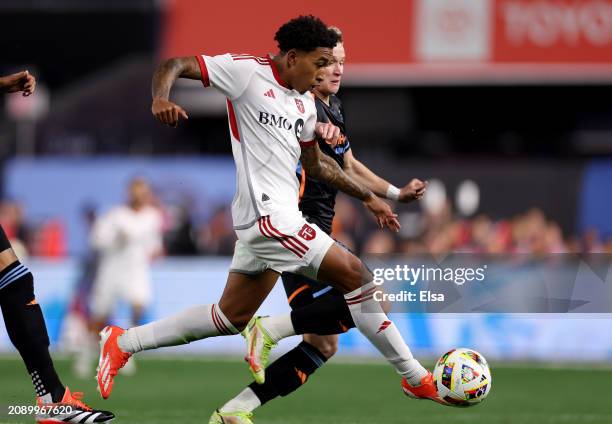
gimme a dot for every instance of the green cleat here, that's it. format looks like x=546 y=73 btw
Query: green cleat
x=230 y=418
x=259 y=345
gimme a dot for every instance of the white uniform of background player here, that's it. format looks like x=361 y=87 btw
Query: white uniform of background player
x=126 y=240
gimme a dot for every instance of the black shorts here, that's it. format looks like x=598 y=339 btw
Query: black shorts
x=302 y=291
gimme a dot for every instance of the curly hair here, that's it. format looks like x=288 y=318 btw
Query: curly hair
x=305 y=33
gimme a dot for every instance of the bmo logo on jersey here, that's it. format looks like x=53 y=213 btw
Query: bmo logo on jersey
x=281 y=123
x=307 y=232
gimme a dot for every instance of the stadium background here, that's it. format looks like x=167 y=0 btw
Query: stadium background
x=503 y=105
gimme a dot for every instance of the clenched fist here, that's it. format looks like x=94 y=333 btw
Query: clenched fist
x=167 y=112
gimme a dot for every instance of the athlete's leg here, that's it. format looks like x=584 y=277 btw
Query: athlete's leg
x=26 y=328
x=25 y=323
x=327 y=345
x=242 y=296
x=346 y=272
x=289 y=372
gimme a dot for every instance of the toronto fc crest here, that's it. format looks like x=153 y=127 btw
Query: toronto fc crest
x=307 y=232
x=300 y=105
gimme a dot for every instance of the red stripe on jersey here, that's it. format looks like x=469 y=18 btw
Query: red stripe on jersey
x=244 y=56
x=232 y=118
x=275 y=72
x=259 y=60
x=308 y=143
x=203 y=71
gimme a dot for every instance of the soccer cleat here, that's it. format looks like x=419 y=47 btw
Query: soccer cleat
x=112 y=359
x=425 y=390
x=259 y=345
x=230 y=418
x=70 y=410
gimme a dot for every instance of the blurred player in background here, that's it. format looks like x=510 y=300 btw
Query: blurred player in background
x=25 y=323
x=127 y=238
x=272 y=118
x=317 y=200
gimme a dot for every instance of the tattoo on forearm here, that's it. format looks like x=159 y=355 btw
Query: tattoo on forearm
x=325 y=169
x=169 y=70
x=163 y=79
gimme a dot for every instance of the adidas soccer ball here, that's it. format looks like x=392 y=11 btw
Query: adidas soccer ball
x=462 y=377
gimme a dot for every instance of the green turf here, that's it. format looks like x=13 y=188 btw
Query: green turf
x=187 y=392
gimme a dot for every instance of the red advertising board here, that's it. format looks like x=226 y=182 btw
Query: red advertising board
x=544 y=31
x=376 y=32
x=416 y=40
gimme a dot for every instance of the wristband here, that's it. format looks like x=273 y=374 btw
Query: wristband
x=393 y=192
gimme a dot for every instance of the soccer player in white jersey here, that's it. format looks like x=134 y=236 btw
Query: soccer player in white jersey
x=126 y=238
x=317 y=310
x=272 y=125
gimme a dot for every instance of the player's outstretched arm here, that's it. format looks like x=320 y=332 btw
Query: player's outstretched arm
x=414 y=190
x=22 y=81
x=325 y=169
x=165 y=75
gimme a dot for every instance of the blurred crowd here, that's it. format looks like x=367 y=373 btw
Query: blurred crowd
x=442 y=231
x=186 y=233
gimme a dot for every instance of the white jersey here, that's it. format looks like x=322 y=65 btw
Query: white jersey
x=268 y=122
x=126 y=240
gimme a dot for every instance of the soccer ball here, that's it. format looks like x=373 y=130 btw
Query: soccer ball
x=462 y=377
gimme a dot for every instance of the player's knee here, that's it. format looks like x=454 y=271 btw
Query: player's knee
x=354 y=274
x=330 y=348
x=327 y=345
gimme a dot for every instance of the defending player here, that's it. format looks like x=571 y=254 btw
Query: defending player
x=272 y=125
x=25 y=323
x=317 y=200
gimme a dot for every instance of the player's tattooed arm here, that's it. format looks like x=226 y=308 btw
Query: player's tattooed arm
x=325 y=169
x=165 y=75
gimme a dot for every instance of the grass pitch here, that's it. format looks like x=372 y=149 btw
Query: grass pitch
x=187 y=391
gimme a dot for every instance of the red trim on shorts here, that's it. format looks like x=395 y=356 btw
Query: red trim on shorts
x=203 y=71
x=232 y=120
x=267 y=233
x=284 y=240
x=294 y=239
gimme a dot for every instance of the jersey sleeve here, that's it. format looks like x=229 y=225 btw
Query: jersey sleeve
x=226 y=74
x=307 y=135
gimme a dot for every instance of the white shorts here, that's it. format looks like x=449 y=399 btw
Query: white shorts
x=281 y=242
x=107 y=292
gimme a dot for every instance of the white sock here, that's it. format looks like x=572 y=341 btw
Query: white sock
x=246 y=401
x=196 y=323
x=373 y=323
x=278 y=326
